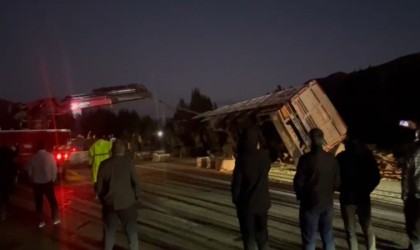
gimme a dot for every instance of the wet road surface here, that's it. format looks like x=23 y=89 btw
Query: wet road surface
x=182 y=208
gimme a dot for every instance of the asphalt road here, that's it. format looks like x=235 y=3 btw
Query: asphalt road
x=182 y=208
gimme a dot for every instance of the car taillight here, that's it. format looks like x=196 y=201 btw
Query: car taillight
x=73 y=149
x=66 y=156
x=58 y=156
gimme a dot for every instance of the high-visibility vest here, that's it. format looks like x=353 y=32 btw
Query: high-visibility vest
x=98 y=152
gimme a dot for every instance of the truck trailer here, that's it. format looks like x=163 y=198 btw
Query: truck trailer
x=291 y=113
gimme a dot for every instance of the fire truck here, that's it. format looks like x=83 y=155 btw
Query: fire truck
x=37 y=121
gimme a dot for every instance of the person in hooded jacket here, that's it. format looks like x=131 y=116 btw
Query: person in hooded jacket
x=359 y=177
x=317 y=177
x=250 y=189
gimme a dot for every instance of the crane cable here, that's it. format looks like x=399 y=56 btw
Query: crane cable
x=176 y=108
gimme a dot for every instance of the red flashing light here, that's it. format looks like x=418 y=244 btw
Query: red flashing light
x=66 y=156
x=58 y=156
x=73 y=149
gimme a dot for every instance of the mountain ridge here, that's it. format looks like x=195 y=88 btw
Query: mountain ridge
x=372 y=101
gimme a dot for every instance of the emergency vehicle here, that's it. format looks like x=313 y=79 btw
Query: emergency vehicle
x=25 y=142
x=37 y=120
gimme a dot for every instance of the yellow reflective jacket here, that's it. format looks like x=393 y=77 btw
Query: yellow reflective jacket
x=98 y=152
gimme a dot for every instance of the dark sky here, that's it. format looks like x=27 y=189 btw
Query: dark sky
x=231 y=50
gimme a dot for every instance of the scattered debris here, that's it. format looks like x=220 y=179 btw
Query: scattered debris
x=388 y=165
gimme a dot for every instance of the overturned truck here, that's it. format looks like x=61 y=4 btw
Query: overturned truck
x=290 y=113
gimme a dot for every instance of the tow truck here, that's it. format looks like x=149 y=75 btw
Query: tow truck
x=37 y=121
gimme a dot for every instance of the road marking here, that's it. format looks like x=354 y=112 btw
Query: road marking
x=160 y=209
x=378 y=211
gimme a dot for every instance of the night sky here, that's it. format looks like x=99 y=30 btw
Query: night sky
x=231 y=50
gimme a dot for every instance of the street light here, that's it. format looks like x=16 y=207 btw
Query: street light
x=159 y=134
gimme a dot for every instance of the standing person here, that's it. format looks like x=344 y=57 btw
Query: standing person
x=8 y=173
x=98 y=152
x=249 y=189
x=134 y=146
x=411 y=193
x=118 y=192
x=42 y=171
x=359 y=177
x=317 y=177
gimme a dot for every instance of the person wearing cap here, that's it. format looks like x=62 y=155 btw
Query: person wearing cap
x=317 y=177
x=360 y=175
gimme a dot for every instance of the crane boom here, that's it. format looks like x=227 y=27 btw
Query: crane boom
x=38 y=113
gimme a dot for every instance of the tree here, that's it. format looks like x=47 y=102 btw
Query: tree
x=99 y=121
x=199 y=102
x=184 y=128
x=180 y=113
x=128 y=121
x=148 y=128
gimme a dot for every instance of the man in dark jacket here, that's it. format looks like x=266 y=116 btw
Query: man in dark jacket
x=8 y=173
x=410 y=184
x=250 y=189
x=317 y=177
x=117 y=188
x=359 y=177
